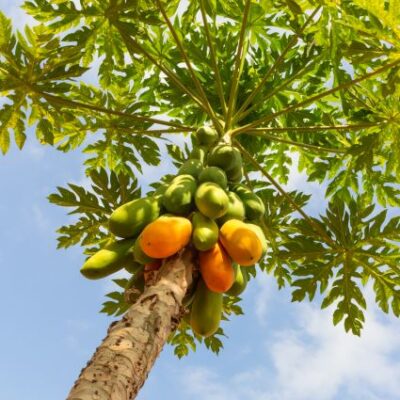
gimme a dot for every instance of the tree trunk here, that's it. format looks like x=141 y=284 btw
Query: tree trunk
x=121 y=364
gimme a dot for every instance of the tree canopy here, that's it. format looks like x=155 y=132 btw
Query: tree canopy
x=315 y=79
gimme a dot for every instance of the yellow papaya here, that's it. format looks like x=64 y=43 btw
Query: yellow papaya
x=207 y=135
x=129 y=219
x=240 y=242
x=235 y=209
x=259 y=232
x=165 y=236
x=214 y=174
x=205 y=232
x=206 y=312
x=108 y=260
x=216 y=269
x=191 y=167
x=178 y=198
x=211 y=200
x=240 y=283
x=253 y=204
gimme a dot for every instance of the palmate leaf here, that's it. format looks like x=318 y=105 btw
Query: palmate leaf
x=364 y=247
x=94 y=206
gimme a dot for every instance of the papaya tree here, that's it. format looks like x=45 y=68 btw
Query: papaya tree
x=237 y=94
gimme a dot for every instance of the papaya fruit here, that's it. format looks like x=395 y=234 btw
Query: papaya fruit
x=206 y=312
x=198 y=153
x=235 y=174
x=211 y=200
x=178 y=198
x=253 y=204
x=214 y=174
x=224 y=156
x=259 y=232
x=191 y=167
x=108 y=260
x=129 y=219
x=131 y=265
x=135 y=286
x=205 y=232
x=240 y=242
x=165 y=236
x=216 y=269
x=240 y=283
x=207 y=135
x=235 y=209
x=139 y=255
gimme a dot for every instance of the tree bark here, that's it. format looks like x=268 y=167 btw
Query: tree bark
x=121 y=364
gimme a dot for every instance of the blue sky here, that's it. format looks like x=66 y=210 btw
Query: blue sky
x=51 y=325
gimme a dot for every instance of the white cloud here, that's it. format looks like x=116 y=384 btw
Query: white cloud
x=312 y=359
x=19 y=17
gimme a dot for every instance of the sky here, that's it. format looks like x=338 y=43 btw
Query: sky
x=51 y=324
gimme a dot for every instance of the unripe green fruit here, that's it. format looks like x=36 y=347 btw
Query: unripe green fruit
x=235 y=209
x=108 y=260
x=211 y=200
x=205 y=232
x=191 y=167
x=226 y=157
x=178 y=198
x=214 y=174
x=206 y=313
x=207 y=135
x=240 y=283
x=129 y=219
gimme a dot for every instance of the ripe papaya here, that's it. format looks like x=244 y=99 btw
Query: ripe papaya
x=178 y=198
x=259 y=232
x=135 y=286
x=129 y=219
x=253 y=204
x=224 y=156
x=241 y=242
x=216 y=269
x=207 y=135
x=191 y=167
x=198 y=153
x=205 y=232
x=240 y=283
x=165 y=236
x=108 y=260
x=211 y=200
x=206 y=312
x=235 y=209
x=214 y=174
x=139 y=255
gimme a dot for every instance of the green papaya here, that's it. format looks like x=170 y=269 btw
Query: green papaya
x=235 y=209
x=108 y=260
x=191 y=167
x=139 y=255
x=259 y=232
x=198 y=153
x=214 y=174
x=129 y=219
x=135 y=286
x=224 y=156
x=178 y=198
x=235 y=175
x=131 y=265
x=253 y=204
x=211 y=200
x=206 y=313
x=207 y=135
x=205 y=232
x=240 y=283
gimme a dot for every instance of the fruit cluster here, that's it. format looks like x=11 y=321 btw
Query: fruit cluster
x=204 y=206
